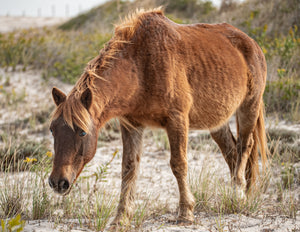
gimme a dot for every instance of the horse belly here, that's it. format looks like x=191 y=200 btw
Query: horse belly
x=212 y=107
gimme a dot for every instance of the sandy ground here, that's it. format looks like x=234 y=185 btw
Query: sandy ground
x=10 y=23
x=156 y=180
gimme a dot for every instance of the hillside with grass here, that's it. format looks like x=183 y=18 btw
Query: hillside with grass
x=34 y=60
x=64 y=51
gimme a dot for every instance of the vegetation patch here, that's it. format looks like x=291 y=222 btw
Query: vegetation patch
x=284 y=145
x=23 y=155
x=283 y=96
x=58 y=53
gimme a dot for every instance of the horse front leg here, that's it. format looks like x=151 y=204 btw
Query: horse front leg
x=132 y=149
x=177 y=129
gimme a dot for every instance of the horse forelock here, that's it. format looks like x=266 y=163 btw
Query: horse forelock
x=73 y=113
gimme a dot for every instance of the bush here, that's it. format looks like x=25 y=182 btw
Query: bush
x=187 y=8
x=15 y=224
x=99 y=18
x=18 y=156
x=283 y=96
x=60 y=54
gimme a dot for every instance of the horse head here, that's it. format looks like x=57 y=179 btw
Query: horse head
x=74 y=144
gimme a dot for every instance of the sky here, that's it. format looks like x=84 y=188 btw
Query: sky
x=50 y=8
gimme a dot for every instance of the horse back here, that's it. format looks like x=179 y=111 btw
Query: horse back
x=201 y=68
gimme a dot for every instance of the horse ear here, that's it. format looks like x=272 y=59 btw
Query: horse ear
x=87 y=98
x=58 y=96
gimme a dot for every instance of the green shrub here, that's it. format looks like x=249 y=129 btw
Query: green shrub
x=187 y=8
x=57 y=53
x=11 y=201
x=284 y=46
x=11 y=97
x=283 y=96
x=15 y=224
x=102 y=17
x=19 y=48
x=287 y=175
x=79 y=21
x=18 y=156
x=40 y=203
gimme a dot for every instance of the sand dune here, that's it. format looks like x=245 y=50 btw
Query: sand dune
x=11 y=23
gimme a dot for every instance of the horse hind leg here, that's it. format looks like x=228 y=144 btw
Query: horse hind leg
x=247 y=161
x=227 y=143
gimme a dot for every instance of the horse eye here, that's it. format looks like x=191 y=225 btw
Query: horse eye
x=51 y=131
x=82 y=133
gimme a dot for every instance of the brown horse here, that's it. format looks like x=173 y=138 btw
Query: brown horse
x=154 y=72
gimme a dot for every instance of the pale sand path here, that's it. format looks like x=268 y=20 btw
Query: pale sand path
x=10 y=23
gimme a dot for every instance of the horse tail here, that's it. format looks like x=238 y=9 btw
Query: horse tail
x=260 y=141
x=261 y=135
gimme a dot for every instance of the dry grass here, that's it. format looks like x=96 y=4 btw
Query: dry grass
x=27 y=193
x=214 y=195
x=277 y=192
x=93 y=206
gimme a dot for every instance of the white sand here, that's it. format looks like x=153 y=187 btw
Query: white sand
x=10 y=23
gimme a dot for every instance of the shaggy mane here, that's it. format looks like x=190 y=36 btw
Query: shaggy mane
x=72 y=110
x=127 y=28
x=123 y=35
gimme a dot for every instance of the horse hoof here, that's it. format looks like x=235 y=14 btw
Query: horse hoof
x=117 y=227
x=112 y=228
x=240 y=194
x=179 y=221
x=183 y=222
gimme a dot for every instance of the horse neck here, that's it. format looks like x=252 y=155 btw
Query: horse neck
x=117 y=96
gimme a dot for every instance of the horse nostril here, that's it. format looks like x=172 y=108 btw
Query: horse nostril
x=63 y=184
x=51 y=183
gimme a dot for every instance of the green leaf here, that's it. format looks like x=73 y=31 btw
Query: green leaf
x=15 y=224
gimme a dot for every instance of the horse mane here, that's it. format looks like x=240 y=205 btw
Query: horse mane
x=129 y=25
x=72 y=110
x=124 y=33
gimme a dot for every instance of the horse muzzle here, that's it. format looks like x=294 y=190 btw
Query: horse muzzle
x=61 y=186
